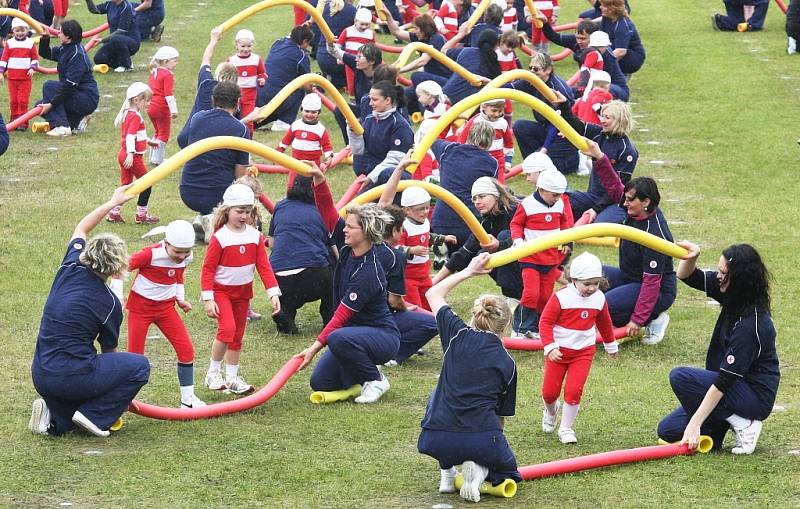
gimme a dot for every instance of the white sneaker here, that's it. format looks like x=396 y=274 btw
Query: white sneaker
x=81 y=420
x=208 y=228
x=474 y=475
x=747 y=438
x=549 y=421
x=279 y=126
x=372 y=391
x=214 y=381
x=195 y=402
x=447 y=483
x=237 y=385
x=655 y=331
x=122 y=68
x=791 y=46
x=59 y=131
x=390 y=363
x=567 y=436
x=40 y=417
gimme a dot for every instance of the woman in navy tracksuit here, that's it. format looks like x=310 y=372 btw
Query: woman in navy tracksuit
x=148 y=19
x=476 y=391
x=737 y=388
x=123 y=43
x=625 y=41
x=480 y=60
x=343 y=16
x=66 y=101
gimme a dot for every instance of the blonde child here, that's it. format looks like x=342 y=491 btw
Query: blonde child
x=251 y=71
x=541 y=213
x=587 y=108
x=432 y=100
x=255 y=221
x=163 y=107
x=133 y=141
x=568 y=329
x=19 y=61
x=307 y=136
x=235 y=252
x=502 y=147
x=158 y=287
x=352 y=38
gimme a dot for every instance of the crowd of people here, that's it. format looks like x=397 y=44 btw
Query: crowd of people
x=379 y=303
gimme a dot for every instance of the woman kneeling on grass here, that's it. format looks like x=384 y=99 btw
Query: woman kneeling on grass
x=79 y=386
x=737 y=388
x=477 y=389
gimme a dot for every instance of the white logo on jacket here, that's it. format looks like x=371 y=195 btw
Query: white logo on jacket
x=653 y=264
x=77 y=246
x=353 y=296
x=731 y=359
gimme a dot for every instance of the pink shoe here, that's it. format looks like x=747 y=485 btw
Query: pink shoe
x=252 y=316
x=114 y=217
x=147 y=219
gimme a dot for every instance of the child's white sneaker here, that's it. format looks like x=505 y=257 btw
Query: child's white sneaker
x=549 y=421
x=474 y=475
x=237 y=385
x=214 y=381
x=747 y=437
x=447 y=483
x=373 y=390
x=567 y=436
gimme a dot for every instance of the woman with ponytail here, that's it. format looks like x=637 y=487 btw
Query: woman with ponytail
x=480 y=60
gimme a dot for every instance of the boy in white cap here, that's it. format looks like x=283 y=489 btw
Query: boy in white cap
x=352 y=38
x=540 y=214
x=308 y=138
x=250 y=68
x=158 y=286
x=163 y=107
x=20 y=59
x=569 y=326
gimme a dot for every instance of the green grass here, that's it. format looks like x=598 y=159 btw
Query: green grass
x=722 y=107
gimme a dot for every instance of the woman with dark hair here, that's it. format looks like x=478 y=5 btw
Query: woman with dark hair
x=737 y=388
x=75 y=95
x=480 y=60
x=124 y=41
x=626 y=45
x=644 y=286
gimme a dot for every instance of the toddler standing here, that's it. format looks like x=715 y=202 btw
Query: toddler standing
x=251 y=71
x=19 y=61
x=163 y=107
x=352 y=38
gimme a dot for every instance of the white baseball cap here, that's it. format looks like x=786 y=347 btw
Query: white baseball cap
x=585 y=266
x=599 y=39
x=537 y=162
x=414 y=196
x=311 y=102
x=238 y=195
x=180 y=234
x=245 y=34
x=552 y=180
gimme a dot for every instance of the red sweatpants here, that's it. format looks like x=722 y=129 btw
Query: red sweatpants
x=415 y=291
x=137 y=169
x=537 y=36
x=537 y=287
x=169 y=322
x=19 y=94
x=162 y=121
x=350 y=75
x=232 y=320
x=575 y=365
x=247 y=103
x=60 y=7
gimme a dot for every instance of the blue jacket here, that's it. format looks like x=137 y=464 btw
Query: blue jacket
x=300 y=237
x=74 y=71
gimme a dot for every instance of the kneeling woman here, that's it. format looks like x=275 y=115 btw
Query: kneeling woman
x=362 y=332
x=477 y=389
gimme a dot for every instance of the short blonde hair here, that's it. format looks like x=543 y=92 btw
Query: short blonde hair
x=620 y=115
x=481 y=134
x=105 y=254
x=491 y=313
x=372 y=219
x=226 y=71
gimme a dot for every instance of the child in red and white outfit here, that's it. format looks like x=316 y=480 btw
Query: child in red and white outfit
x=428 y=167
x=133 y=141
x=235 y=252
x=509 y=18
x=19 y=61
x=251 y=71
x=502 y=148
x=308 y=138
x=163 y=107
x=568 y=330
x=416 y=241
x=587 y=108
x=548 y=8
x=352 y=38
x=446 y=19
x=431 y=99
x=537 y=215
x=592 y=61
x=158 y=287
x=60 y=11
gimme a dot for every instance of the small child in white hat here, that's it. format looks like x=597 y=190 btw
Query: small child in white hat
x=17 y=65
x=251 y=71
x=307 y=136
x=163 y=107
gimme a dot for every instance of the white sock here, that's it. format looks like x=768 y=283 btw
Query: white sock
x=551 y=407
x=450 y=472
x=187 y=391
x=213 y=366
x=231 y=370
x=568 y=415
x=738 y=421
x=141 y=210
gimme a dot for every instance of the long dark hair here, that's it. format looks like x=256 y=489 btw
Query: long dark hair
x=487 y=42
x=748 y=281
x=301 y=190
x=392 y=91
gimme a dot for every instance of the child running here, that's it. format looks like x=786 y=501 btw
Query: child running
x=235 y=251
x=133 y=142
x=19 y=61
x=155 y=291
x=163 y=107
x=568 y=329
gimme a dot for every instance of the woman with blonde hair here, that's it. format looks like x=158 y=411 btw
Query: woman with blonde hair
x=477 y=389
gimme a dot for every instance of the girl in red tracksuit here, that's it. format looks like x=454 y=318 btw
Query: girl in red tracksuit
x=133 y=141
x=158 y=287
x=19 y=61
x=163 y=107
x=235 y=252
x=548 y=8
x=307 y=136
x=568 y=329
x=251 y=71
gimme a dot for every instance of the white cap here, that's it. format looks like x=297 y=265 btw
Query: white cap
x=585 y=266
x=484 y=185
x=165 y=53
x=311 y=102
x=599 y=39
x=414 y=196
x=238 y=195
x=600 y=76
x=537 y=162
x=364 y=15
x=135 y=89
x=430 y=87
x=19 y=22
x=500 y=3
x=245 y=34
x=180 y=234
x=552 y=180
x=366 y=3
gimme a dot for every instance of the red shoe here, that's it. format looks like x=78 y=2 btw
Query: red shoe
x=147 y=219
x=114 y=217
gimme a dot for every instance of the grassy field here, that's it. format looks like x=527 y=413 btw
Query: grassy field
x=717 y=124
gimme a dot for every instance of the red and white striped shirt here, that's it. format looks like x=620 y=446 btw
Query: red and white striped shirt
x=351 y=39
x=509 y=20
x=417 y=235
x=503 y=144
x=534 y=219
x=507 y=62
x=162 y=83
x=133 y=133
x=231 y=260
x=159 y=281
x=249 y=69
x=308 y=141
x=570 y=320
x=19 y=56
x=448 y=16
